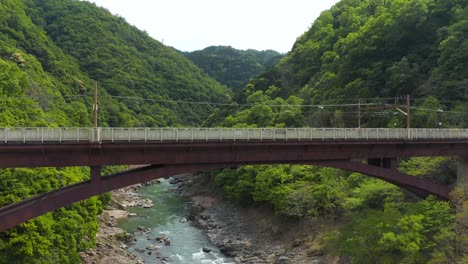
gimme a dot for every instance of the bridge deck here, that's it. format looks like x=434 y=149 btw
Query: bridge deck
x=155 y=135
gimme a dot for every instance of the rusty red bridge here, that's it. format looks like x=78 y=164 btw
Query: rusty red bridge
x=166 y=152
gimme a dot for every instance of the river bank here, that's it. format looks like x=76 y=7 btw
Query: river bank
x=111 y=241
x=251 y=235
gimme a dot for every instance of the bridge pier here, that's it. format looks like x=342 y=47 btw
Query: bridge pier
x=462 y=173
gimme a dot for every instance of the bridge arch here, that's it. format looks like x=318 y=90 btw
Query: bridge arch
x=23 y=211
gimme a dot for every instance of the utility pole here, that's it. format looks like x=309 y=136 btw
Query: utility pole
x=408 y=108
x=359 y=114
x=407 y=113
x=95 y=107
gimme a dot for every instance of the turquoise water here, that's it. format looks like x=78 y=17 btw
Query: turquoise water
x=165 y=218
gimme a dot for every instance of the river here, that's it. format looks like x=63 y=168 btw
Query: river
x=166 y=218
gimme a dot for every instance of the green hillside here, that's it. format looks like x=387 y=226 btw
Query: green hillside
x=362 y=50
x=377 y=48
x=50 y=53
x=127 y=63
x=233 y=67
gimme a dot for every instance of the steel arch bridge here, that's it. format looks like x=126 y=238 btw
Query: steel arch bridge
x=171 y=151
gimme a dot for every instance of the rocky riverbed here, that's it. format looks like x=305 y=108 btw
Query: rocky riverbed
x=249 y=235
x=111 y=241
x=253 y=234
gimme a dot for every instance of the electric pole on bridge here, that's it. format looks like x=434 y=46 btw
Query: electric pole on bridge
x=395 y=106
x=408 y=109
x=359 y=114
x=95 y=170
x=95 y=110
x=95 y=106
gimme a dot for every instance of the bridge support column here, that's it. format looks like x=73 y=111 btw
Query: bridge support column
x=95 y=173
x=462 y=173
x=387 y=163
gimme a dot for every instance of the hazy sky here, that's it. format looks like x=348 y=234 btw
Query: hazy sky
x=191 y=25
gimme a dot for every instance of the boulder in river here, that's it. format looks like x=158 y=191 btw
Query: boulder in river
x=164 y=239
x=145 y=203
x=160 y=238
x=152 y=248
x=141 y=228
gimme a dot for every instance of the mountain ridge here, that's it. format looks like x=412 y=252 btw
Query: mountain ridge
x=231 y=66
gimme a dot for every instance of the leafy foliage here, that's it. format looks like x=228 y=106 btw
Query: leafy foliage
x=296 y=191
x=56 y=236
x=401 y=233
x=438 y=169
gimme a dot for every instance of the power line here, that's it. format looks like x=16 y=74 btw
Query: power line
x=200 y=102
x=319 y=106
x=439 y=110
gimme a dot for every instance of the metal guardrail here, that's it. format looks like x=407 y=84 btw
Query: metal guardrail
x=155 y=135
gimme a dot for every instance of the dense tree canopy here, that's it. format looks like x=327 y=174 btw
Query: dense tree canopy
x=50 y=53
x=378 y=48
x=355 y=51
x=128 y=63
x=233 y=67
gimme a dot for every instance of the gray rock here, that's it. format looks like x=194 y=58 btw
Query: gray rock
x=195 y=211
x=152 y=248
x=282 y=260
x=229 y=248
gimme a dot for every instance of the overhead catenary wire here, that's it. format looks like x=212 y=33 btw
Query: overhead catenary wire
x=236 y=104
x=190 y=102
x=439 y=110
x=359 y=102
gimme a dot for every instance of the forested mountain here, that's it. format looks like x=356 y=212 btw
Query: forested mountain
x=127 y=63
x=50 y=53
x=233 y=67
x=379 y=48
x=360 y=50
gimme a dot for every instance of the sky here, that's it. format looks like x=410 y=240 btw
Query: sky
x=190 y=25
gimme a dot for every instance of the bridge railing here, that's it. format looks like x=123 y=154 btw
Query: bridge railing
x=46 y=134
x=54 y=135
